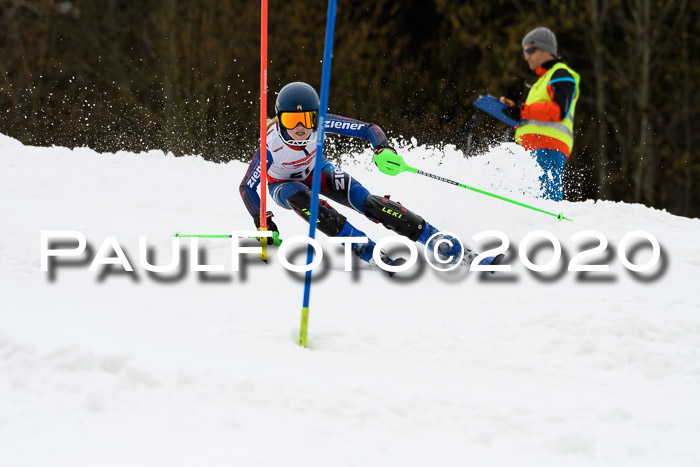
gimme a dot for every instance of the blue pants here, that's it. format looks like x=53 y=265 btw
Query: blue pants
x=335 y=184
x=342 y=188
x=552 y=163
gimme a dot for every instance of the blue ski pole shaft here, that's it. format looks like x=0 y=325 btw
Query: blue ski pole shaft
x=316 y=184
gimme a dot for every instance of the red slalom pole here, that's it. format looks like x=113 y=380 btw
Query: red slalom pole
x=263 y=126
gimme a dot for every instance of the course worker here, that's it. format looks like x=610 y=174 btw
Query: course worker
x=546 y=118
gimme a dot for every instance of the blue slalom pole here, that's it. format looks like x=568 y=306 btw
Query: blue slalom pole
x=316 y=184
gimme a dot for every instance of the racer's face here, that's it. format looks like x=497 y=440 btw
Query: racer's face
x=300 y=133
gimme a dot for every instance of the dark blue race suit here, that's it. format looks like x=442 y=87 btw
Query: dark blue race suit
x=335 y=184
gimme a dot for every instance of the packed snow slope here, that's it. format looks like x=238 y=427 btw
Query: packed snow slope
x=114 y=368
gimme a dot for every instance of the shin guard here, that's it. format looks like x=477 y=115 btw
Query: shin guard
x=394 y=216
x=329 y=221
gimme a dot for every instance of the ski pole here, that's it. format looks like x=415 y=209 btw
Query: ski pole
x=316 y=182
x=392 y=164
x=277 y=241
x=470 y=132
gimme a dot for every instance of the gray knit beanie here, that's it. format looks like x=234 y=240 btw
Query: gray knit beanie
x=543 y=39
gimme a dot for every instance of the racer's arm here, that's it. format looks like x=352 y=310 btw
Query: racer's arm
x=249 y=185
x=357 y=129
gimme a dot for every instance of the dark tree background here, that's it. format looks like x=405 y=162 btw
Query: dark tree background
x=183 y=76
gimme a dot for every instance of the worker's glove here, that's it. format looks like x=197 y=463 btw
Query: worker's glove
x=271 y=226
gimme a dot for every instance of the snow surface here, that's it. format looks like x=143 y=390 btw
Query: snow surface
x=109 y=369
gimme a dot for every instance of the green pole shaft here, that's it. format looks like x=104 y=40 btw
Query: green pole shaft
x=200 y=236
x=277 y=241
x=502 y=198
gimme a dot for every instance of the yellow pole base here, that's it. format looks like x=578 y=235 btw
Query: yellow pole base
x=263 y=245
x=304 y=326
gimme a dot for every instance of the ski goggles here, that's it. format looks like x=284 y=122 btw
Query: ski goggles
x=529 y=50
x=307 y=119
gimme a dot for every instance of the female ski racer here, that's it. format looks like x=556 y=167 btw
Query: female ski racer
x=291 y=160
